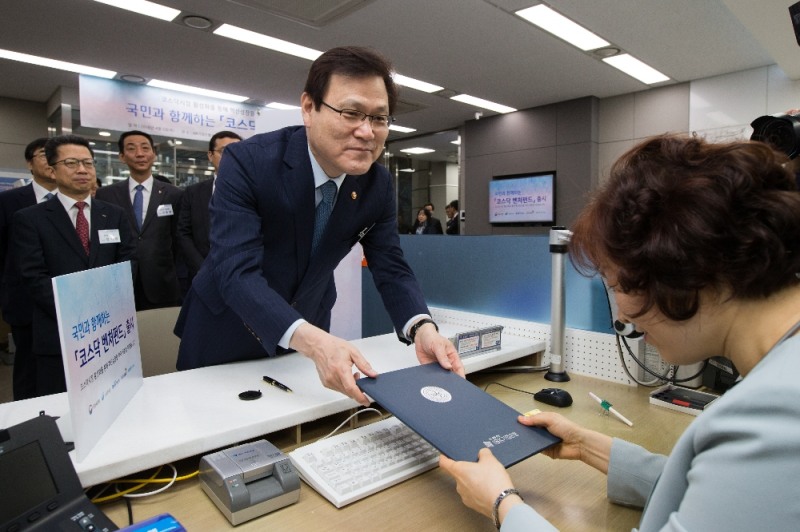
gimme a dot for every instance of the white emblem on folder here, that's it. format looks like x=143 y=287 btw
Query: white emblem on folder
x=436 y=394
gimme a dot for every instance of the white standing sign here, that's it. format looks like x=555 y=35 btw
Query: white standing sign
x=100 y=348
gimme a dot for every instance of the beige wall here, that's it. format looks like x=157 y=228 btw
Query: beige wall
x=625 y=120
x=20 y=122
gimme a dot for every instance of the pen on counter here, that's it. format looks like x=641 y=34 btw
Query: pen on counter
x=273 y=382
x=607 y=406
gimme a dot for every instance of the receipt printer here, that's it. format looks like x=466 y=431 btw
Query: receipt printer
x=249 y=480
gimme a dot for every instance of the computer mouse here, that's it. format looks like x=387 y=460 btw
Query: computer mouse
x=554 y=397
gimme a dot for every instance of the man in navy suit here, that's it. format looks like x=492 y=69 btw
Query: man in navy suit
x=14 y=299
x=263 y=290
x=47 y=243
x=194 y=221
x=452 y=218
x=153 y=219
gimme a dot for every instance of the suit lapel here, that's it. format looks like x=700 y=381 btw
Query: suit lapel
x=337 y=232
x=59 y=218
x=122 y=193
x=156 y=196
x=298 y=183
x=27 y=196
x=347 y=202
x=99 y=217
x=204 y=197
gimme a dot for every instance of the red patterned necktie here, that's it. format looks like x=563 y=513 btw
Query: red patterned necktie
x=82 y=226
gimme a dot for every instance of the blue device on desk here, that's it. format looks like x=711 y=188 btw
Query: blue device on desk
x=159 y=523
x=249 y=481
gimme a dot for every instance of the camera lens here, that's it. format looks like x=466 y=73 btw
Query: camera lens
x=780 y=131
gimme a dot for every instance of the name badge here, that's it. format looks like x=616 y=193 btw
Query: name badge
x=109 y=236
x=164 y=210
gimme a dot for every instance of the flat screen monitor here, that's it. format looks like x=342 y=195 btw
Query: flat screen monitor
x=523 y=199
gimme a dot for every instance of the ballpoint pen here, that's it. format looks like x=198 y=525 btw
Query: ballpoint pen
x=607 y=406
x=273 y=382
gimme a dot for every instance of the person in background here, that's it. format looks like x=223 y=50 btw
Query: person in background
x=14 y=299
x=152 y=207
x=432 y=220
x=194 y=222
x=423 y=225
x=69 y=233
x=452 y=218
x=701 y=243
x=288 y=206
x=402 y=227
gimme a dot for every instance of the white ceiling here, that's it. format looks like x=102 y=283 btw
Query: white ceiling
x=478 y=47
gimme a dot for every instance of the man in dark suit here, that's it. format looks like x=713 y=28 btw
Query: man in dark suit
x=48 y=242
x=14 y=300
x=194 y=221
x=265 y=287
x=152 y=208
x=434 y=222
x=452 y=218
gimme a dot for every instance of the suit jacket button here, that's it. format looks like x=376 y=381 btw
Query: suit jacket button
x=294 y=304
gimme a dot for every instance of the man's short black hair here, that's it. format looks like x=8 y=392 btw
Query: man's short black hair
x=30 y=149
x=212 y=144
x=51 y=147
x=121 y=141
x=352 y=62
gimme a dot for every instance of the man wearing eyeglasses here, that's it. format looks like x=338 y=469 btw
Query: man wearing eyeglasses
x=14 y=299
x=193 y=221
x=69 y=233
x=267 y=285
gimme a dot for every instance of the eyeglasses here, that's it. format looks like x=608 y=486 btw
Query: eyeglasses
x=354 y=118
x=72 y=164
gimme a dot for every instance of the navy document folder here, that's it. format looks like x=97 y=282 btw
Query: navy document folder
x=454 y=415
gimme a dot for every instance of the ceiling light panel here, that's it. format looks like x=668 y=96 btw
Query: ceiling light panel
x=143 y=7
x=282 y=106
x=562 y=27
x=401 y=129
x=412 y=83
x=417 y=151
x=196 y=90
x=635 y=68
x=483 y=104
x=265 y=41
x=54 y=63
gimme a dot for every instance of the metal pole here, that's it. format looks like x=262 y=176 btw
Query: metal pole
x=559 y=238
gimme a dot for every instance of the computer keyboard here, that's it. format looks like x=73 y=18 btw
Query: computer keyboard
x=352 y=465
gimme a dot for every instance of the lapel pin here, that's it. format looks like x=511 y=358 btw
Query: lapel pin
x=354 y=195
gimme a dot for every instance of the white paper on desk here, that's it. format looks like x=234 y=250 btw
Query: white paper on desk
x=99 y=346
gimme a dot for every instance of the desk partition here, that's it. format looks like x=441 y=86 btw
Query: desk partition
x=504 y=276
